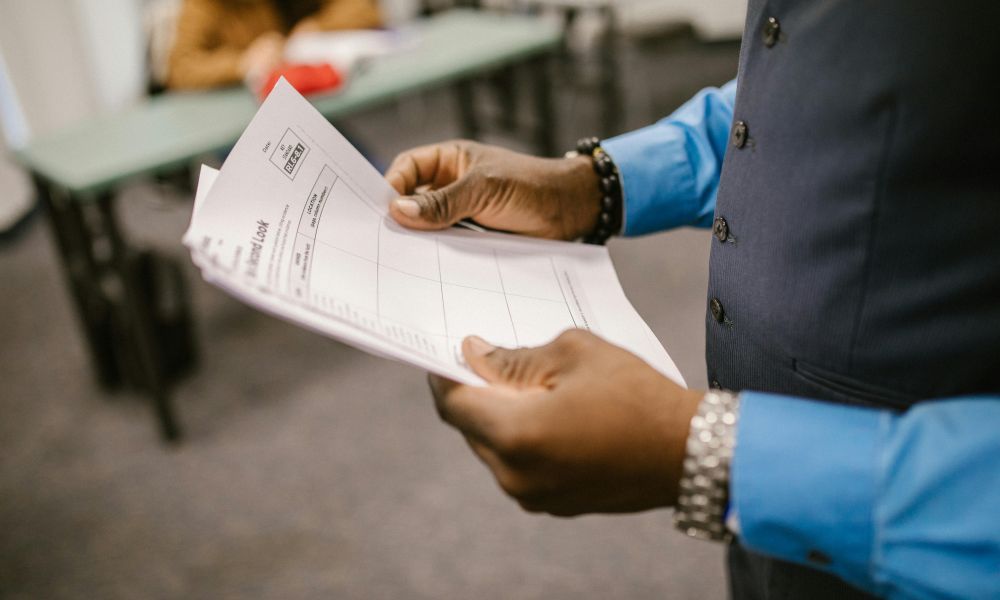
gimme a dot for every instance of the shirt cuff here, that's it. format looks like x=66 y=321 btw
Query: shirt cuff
x=803 y=482
x=656 y=178
x=670 y=170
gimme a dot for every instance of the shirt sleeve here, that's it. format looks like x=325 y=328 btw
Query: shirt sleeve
x=901 y=505
x=670 y=170
x=197 y=60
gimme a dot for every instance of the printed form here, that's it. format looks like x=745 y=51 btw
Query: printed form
x=296 y=224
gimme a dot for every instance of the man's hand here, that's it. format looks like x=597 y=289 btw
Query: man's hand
x=445 y=183
x=576 y=426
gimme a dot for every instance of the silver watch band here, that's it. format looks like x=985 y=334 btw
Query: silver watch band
x=704 y=486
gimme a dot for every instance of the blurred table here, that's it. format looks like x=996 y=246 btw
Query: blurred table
x=131 y=304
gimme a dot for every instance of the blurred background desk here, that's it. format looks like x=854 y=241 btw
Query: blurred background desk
x=132 y=304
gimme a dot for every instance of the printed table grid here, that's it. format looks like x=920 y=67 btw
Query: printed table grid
x=385 y=225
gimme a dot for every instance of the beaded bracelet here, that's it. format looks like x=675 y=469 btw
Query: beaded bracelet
x=610 y=218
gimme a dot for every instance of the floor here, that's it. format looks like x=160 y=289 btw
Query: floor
x=309 y=469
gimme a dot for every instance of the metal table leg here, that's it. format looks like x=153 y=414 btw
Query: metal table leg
x=610 y=84
x=465 y=97
x=141 y=326
x=545 y=129
x=82 y=271
x=95 y=263
x=504 y=84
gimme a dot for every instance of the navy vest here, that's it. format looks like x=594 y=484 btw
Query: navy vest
x=856 y=255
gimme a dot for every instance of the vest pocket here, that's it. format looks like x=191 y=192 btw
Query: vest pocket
x=849 y=390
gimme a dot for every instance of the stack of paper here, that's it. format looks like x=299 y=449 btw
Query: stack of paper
x=296 y=224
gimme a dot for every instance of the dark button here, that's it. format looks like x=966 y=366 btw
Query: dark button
x=720 y=229
x=716 y=308
x=771 y=31
x=818 y=558
x=715 y=385
x=740 y=132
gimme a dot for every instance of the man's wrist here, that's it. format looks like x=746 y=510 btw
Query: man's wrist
x=703 y=495
x=584 y=189
x=609 y=216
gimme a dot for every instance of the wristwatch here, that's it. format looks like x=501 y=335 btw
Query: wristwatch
x=703 y=497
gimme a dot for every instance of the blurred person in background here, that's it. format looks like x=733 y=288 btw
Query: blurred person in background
x=225 y=42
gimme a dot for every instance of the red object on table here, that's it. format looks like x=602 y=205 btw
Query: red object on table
x=306 y=78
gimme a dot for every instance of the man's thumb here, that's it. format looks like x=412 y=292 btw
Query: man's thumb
x=433 y=209
x=521 y=367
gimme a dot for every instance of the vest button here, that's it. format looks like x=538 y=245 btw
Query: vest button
x=715 y=307
x=715 y=385
x=771 y=31
x=740 y=132
x=720 y=229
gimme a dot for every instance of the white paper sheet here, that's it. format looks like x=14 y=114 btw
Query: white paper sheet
x=296 y=223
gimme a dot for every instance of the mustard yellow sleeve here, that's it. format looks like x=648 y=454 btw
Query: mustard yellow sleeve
x=349 y=14
x=199 y=59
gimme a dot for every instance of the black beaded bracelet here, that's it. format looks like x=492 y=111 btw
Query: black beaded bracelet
x=610 y=219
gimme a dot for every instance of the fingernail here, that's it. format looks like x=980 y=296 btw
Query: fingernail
x=408 y=207
x=479 y=346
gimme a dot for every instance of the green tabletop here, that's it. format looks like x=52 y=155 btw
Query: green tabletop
x=172 y=129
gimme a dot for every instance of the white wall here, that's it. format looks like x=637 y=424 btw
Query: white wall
x=45 y=58
x=65 y=60
x=113 y=38
x=70 y=59
x=13 y=123
x=16 y=196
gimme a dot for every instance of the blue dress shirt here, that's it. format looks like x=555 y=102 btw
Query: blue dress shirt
x=901 y=505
